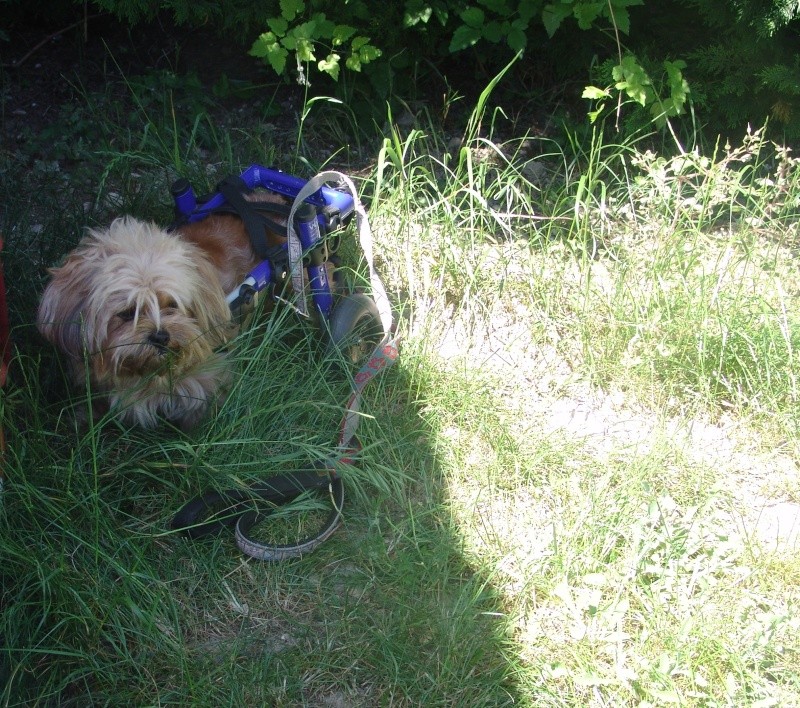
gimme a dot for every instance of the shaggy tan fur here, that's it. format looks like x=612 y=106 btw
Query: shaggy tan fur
x=146 y=311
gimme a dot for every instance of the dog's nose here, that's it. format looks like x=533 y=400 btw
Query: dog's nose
x=159 y=339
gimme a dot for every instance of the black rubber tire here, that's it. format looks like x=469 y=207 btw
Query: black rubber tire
x=355 y=328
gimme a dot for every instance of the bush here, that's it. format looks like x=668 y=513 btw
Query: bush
x=739 y=56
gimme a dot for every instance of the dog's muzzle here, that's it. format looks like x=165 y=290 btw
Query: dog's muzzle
x=159 y=339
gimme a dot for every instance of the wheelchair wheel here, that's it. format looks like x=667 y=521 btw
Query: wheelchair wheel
x=355 y=329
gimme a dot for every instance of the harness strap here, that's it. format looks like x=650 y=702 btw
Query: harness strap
x=364 y=237
x=233 y=189
x=386 y=352
x=280 y=490
x=382 y=357
x=260 y=209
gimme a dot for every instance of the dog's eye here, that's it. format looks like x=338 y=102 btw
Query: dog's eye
x=171 y=305
x=127 y=315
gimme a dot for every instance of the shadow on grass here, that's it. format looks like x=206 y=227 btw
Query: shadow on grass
x=102 y=603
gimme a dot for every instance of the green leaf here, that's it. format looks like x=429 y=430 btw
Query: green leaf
x=261 y=46
x=416 y=11
x=500 y=7
x=464 y=37
x=527 y=11
x=659 y=113
x=618 y=13
x=554 y=15
x=323 y=26
x=594 y=115
x=594 y=93
x=277 y=59
x=291 y=8
x=278 y=25
x=441 y=14
x=675 y=78
x=473 y=17
x=633 y=79
x=300 y=40
x=361 y=53
x=678 y=93
x=306 y=30
x=369 y=53
x=304 y=49
x=494 y=31
x=330 y=65
x=587 y=12
x=517 y=39
x=622 y=20
x=267 y=47
x=342 y=33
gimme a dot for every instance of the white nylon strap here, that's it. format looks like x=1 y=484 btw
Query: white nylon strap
x=386 y=352
x=364 y=237
x=383 y=356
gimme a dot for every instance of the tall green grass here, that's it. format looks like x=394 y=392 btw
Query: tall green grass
x=605 y=372
x=555 y=501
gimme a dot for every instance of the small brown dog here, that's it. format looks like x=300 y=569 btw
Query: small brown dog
x=141 y=315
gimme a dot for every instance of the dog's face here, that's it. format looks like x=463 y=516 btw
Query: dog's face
x=143 y=308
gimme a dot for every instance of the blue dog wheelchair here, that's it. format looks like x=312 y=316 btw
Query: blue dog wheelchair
x=357 y=327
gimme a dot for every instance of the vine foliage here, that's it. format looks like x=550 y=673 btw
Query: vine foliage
x=734 y=61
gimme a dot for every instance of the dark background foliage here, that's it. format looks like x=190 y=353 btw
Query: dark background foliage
x=742 y=58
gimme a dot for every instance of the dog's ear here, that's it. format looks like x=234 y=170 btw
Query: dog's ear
x=61 y=310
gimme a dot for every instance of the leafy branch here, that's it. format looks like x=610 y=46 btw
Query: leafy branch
x=305 y=39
